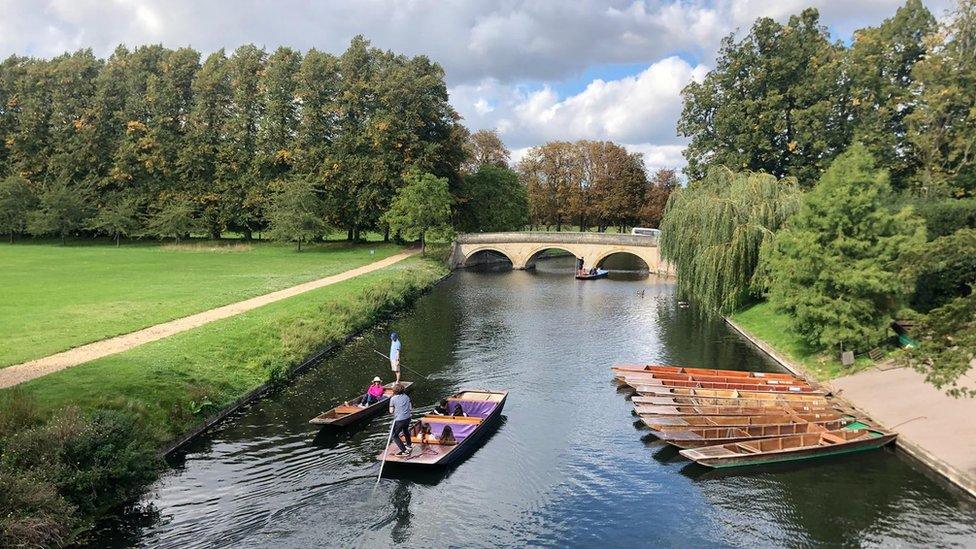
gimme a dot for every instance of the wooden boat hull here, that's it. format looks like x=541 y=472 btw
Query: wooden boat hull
x=731 y=401
x=599 y=274
x=662 y=391
x=649 y=386
x=698 y=437
x=655 y=368
x=799 y=407
x=631 y=378
x=677 y=423
x=450 y=454
x=333 y=419
x=790 y=448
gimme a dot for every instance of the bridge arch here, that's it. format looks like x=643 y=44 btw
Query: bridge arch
x=629 y=253
x=532 y=256
x=485 y=250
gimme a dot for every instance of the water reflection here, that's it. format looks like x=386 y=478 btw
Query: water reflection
x=568 y=466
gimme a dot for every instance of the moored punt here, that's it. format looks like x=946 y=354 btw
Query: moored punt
x=677 y=423
x=696 y=437
x=483 y=409
x=852 y=438
x=349 y=412
x=649 y=385
x=631 y=378
x=776 y=401
x=655 y=410
x=655 y=368
x=662 y=391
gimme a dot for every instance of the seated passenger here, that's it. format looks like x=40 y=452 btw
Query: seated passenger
x=447 y=435
x=458 y=411
x=373 y=394
x=441 y=409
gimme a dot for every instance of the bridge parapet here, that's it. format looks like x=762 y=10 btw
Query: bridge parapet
x=558 y=238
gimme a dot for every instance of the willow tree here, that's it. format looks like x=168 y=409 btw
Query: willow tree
x=713 y=229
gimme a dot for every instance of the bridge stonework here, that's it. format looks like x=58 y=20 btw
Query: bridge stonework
x=522 y=249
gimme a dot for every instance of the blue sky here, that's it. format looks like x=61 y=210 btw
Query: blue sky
x=535 y=70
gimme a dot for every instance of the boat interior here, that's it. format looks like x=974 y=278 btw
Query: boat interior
x=477 y=406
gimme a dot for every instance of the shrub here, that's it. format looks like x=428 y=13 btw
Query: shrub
x=944 y=217
x=32 y=513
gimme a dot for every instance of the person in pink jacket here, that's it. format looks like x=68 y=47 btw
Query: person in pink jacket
x=374 y=393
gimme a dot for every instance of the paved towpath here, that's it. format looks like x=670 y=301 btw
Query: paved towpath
x=19 y=373
x=936 y=428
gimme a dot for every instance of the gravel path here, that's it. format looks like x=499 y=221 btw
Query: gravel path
x=19 y=373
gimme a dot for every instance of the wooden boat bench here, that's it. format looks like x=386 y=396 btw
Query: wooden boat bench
x=452 y=419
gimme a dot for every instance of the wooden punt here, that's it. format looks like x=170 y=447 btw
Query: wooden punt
x=600 y=273
x=639 y=376
x=662 y=391
x=799 y=407
x=677 y=423
x=649 y=385
x=776 y=401
x=696 y=437
x=855 y=437
x=349 y=411
x=656 y=368
x=484 y=409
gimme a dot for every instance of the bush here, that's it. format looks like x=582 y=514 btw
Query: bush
x=32 y=513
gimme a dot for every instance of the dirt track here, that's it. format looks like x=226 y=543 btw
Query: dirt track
x=19 y=373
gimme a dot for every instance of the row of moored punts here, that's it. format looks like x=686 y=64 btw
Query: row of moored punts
x=730 y=418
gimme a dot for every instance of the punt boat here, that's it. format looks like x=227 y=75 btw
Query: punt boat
x=731 y=401
x=483 y=409
x=350 y=412
x=600 y=273
x=855 y=437
x=661 y=391
x=678 y=423
x=636 y=377
x=801 y=408
x=696 y=437
x=655 y=368
x=650 y=385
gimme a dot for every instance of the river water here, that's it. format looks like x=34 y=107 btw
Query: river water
x=569 y=464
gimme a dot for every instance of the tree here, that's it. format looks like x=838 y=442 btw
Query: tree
x=713 y=229
x=612 y=187
x=421 y=208
x=118 y=218
x=484 y=147
x=833 y=268
x=297 y=214
x=62 y=209
x=942 y=127
x=492 y=199
x=550 y=173
x=664 y=182
x=880 y=63
x=176 y=218
x=16 y=201
x=776 y=102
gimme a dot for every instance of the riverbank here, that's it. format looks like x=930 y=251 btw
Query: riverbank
x=933 y=428
x=168 y=387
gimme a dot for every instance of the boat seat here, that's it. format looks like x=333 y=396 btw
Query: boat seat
x=832 y=438
x=347 y=409
x=416 y=440
x=452 y=419
x=749 y=447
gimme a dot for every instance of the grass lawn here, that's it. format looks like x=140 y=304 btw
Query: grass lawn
x=54 y=297
x=175 y=382
x=765 y=323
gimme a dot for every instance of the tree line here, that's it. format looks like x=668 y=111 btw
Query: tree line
x=837 y=182
x=595 y=184
x=167 y=142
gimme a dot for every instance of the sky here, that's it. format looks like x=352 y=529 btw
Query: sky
x=535 y=70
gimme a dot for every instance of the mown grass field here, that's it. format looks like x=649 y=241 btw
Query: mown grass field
x=54 y=297
x=764 y=322
x=175 y=382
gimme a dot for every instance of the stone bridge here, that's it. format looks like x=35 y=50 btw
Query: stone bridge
x=523 y=249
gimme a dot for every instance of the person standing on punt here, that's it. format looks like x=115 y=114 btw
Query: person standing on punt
x=395 y=355
x=402 y=410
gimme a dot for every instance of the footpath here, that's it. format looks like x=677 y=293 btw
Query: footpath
x=934 y=428
x=19 y=373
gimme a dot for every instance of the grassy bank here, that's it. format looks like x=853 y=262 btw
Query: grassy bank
x=55 y=297
x=77 y=444
x=764 y=322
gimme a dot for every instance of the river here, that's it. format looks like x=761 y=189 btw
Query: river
x=569 y=464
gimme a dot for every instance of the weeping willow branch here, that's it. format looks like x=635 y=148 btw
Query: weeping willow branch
x=713 y=229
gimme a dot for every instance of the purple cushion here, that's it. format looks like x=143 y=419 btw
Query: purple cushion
x=472 y=408
x=461 y=430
